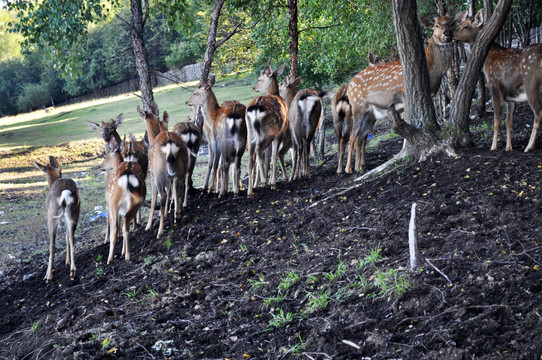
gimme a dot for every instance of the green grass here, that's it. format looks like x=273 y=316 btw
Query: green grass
x=69 y=123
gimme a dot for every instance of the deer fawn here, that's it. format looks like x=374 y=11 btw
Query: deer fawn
x=126 y=192
x=190 y=133
x=227 y=132
x=62 y=208
x=168 y=164
x=108 y=129
x=512 y=75
x=267 y=120
x=372 y=90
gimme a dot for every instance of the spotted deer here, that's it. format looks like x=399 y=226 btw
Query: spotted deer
x=190 y=133
x=168 y=165
x=135 y=151
x=267 y=120
x=226 y=129
x=512 y=75
x=372 y=90
x=108 y=129
x=63 y=206
x=126 y=190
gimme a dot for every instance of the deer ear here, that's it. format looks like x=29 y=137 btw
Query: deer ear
x=297 y=81
x=40 y=166
x=140 y=111
x=54 y=162
x=132 y=137
x=119 y=120
x=427 y=21
x=211 y=82
x=479 y=18
x=165 y=117
x=154 y=109
x=460 y=17
x=280 y=69
x=94 y=126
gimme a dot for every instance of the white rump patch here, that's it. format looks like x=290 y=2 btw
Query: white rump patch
x=130 y=158
x=65 y=196
x=170 y=149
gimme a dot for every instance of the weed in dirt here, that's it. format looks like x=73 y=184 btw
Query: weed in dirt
x=280 y=319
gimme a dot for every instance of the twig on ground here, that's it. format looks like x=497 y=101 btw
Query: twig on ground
x=438 y=270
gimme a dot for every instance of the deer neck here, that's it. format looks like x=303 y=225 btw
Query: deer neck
x=439 y=59
x=273 y=87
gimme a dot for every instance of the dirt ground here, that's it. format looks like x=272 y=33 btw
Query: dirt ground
x=311 y=270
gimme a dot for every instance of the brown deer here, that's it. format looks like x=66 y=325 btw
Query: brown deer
x=152 y=121
x=512 y=75
x=372 y=90
x=342 y=122
x=190 y=133
x=108 y=129
x=126 y=192
x=63 y=207
x=267 y=120
x=168 y=164
x=304 y=114
x=226 y=134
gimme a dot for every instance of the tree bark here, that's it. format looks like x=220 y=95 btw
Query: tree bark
x=140 y=54
x=420 y=110
x=211 y=42
x=294 y=38
x=462 y=101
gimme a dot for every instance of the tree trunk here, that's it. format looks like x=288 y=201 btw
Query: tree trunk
x=462 y=101
x=294 y=38
x=211 y=42
x=420 y=111
x=140 y=54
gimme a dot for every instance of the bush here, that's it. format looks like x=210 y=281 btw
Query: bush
x=32 y=97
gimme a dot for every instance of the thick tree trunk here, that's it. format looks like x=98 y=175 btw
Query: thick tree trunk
x=140 y=54
x=211 y=42
x=418 y=104
x=294 y=38
x=462 y=101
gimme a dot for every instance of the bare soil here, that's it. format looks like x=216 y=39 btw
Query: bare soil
x=289 y=273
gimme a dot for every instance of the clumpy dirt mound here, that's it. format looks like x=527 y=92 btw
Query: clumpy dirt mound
x=303 y=271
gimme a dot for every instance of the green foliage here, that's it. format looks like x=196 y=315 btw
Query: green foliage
x=10 y=43
x=33 y=96
x=183 y=53
x=58 y=28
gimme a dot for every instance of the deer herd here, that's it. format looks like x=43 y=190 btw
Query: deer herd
x=282 y=119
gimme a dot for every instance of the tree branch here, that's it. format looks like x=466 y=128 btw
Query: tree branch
x=320 y=27
x=146 y=16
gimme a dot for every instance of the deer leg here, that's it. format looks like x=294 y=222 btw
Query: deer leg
x=209 y=167
x=187 y=179
x=153 y=204
x=236 y=174
x=509 y=120
x=114 y=235
x=273 y=165
x=340 y=154
x=362 y=145
x=250 y=191
x=225 y=177
x=52 y=239
x=497 y=108
x=70 y=240
x=163 y=200
x=536 y=107
x=126 y=238
x=351 y=143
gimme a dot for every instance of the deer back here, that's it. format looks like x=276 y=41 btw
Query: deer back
x=135 y=151
x=190 y=133
x=268 y=116
x=304 y=114
x=168 y=157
